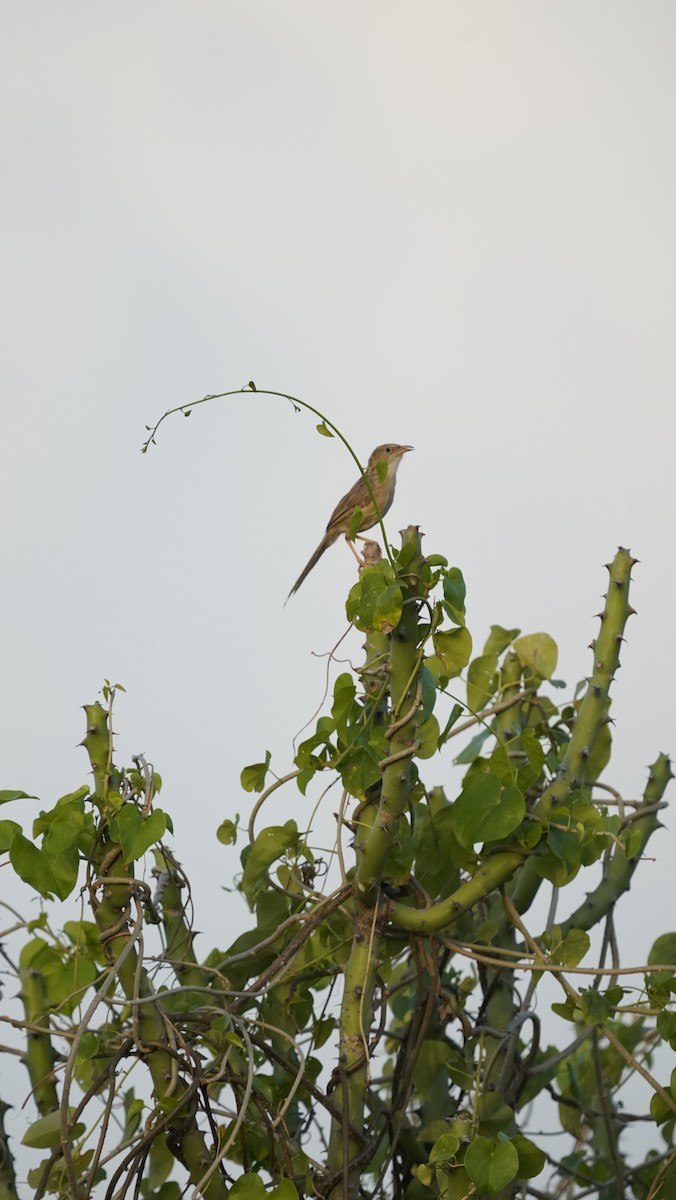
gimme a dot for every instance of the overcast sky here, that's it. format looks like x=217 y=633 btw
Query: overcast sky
x=444 y=224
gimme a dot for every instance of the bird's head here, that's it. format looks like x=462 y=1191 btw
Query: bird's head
x=390 y=452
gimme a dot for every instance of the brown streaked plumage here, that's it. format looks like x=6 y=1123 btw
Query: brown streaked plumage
x=359 y=497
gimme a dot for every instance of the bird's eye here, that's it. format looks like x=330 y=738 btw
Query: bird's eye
x=388 y=449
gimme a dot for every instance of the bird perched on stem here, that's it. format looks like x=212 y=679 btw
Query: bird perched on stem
x=381 y=480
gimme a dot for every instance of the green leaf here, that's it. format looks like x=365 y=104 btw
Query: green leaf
x=137 y=833
x=660 y=1111
x=322 y=1029
x=375 y=601
x=227 y=833
x=532 y=748
x=7 y=831
x=456 y=713
x=481 y=681
x=428 y=735
x=359 y=769
x=460 y=1068
x=445 y=1148
x=253 y=778
x=248 y=1187
x=430 y=1062
x=74 y=797
x=454 y=595
x=494 y=1113
x=538 y=655
x=491 y=1164
x=429 y=694
x=355 y=523
x=632 y=840
x=572 y=949
x=485 y=811
x=12 y=794
x=323 y=429
x=344 y=706
x=565 y=1009
x=65 y=869
x=453 y=648
x=32 y=865
x=66 y=981
x=438 y=852
x=663 y=951
x=285 y=1190
x=499 y=639
x=532 y=1159
x=566 y=846
x=473 y=748
x=45 y=1133
x=594 y=1007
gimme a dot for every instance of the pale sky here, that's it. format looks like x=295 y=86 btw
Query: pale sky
x=445 y=224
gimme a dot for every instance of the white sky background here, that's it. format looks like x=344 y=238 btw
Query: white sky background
x=445 y=224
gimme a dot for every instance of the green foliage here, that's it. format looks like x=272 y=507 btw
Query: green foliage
x=380 y=1024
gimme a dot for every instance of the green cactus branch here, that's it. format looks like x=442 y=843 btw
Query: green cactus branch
x=442 y=916
x=396 y=768
x=8 y=1189
x=354 y=1051
x=40 y=1057
x=618 y=875
x=593 y=714
x=377 y=831
x=112 y=887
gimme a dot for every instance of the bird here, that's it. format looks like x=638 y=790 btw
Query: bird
x=360 y=497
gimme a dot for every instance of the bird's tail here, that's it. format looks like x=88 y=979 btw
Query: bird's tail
x=323 y=545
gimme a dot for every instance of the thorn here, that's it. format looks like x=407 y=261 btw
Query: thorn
x=619 y=638
x=584 y=752
x=633 y=561
x=619 y=583
x=601 y=616
x=608 y=566
x=631 y=612
x=592 y=645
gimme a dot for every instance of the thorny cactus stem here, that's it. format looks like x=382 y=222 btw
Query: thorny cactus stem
x=378 y=824
x=593 y=714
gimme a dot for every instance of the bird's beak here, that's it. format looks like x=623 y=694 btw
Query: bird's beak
x=403 y=449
